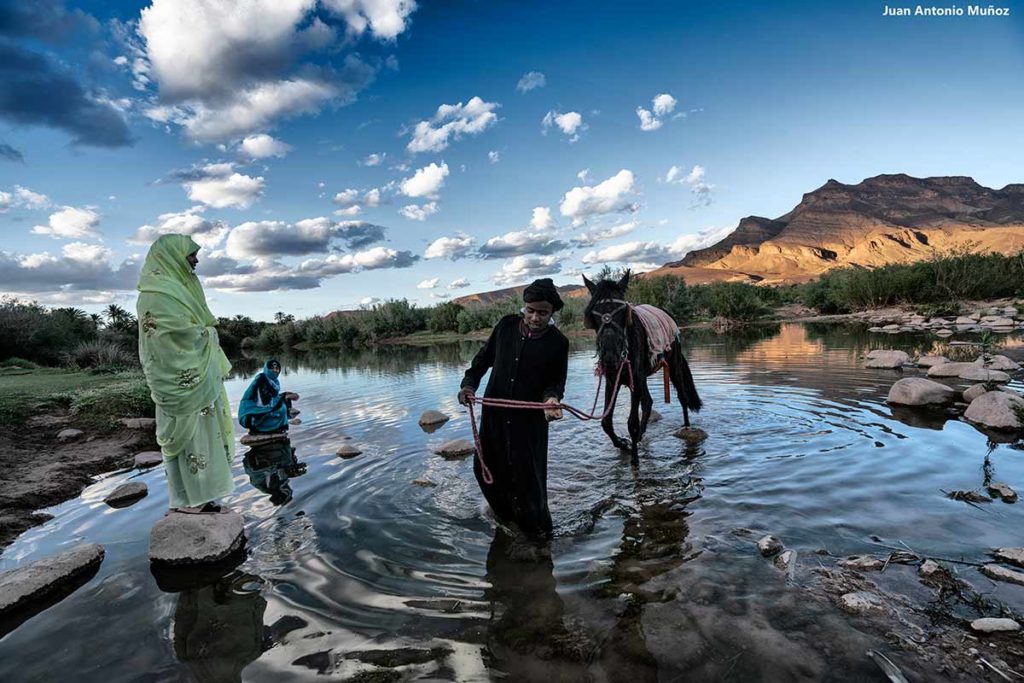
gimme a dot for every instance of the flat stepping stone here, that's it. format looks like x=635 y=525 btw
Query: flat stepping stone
x=918 y=391
x=1011 y=555
x=181 y=538
x=979 y=374
x=346 y=451
x=149 y=459
x=143 y=423
x=864 y=563
x=1000 y=573
x=1003 y=491
x=69 y=434
x=929 y=361
x=999 y=362
x=861 y=602
x=996 y=410
x=949 y=369
x=295 y=421
x=261 y=439
x=431 y=418
x=886 y=360
x=991 y=625
x=126 y=494
x=48 y=576
x=455 y=449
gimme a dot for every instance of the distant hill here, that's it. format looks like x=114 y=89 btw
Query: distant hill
x=484 y=298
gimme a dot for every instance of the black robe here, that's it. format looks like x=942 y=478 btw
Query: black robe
x=515 y=441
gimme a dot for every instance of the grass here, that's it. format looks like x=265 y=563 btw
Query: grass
x=96 y=400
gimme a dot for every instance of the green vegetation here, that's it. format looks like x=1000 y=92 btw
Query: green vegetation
x=94 y=399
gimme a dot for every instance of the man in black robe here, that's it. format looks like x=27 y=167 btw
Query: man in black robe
x=528 y=358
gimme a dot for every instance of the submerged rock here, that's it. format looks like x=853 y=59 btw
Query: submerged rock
x=126 y=494
x=430 y=418
x=48 y=576
x=456 y=448
x=769 y=545
x=182 y=538
x=69 y=434
x=996 y=410
x=691 y=435
x=999 y=573
x=1011 y=555
x=425 y=482
x=1002 y=490
x=887 y=359
x=991 y=625
x=861 y=602
x=864 y=563
x=785 y=561
x=149 y=459
x=918 y=391
x=261 y=439
x=347 y=451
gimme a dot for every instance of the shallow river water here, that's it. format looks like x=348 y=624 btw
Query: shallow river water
x=648 y=579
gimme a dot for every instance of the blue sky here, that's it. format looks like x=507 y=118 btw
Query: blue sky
x=328 y=153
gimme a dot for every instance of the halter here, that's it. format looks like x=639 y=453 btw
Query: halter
x=607 y=318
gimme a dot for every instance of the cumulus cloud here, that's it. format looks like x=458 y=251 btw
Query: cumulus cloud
x=459 y=283
x=385 y=19
x=78 y=273
x=450 y=122
x=630 y=252
x=701 y=190
x=541 y=219
x=220 y=186
x=262 y=146
x=493 y=156
x=425 y=182
x=352 y=201
x=256 y=239
x=206 y=232
x=603 y=234
x=614 y=195
x=70 y=223
x=374 y=159
x=662 y=105
x=440 y=295
x=418 y=213
x=520 y=243
x=22 y=198
x=684 y=244
x=428 y=284
x=523 y=268
x=570 y=123
x=450 y=247
x=531 y=80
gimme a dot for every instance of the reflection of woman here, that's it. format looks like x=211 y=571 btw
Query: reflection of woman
x=264 y=408
x=185 y=368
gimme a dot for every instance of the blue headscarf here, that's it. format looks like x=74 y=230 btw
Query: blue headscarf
x=272 y=375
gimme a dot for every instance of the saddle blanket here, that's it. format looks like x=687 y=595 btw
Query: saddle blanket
x=661 y=330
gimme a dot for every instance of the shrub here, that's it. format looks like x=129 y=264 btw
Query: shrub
x=444 y=317
x=105 y=405
x=103 y=356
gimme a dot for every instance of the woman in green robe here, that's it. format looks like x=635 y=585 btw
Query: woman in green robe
x=185 y=368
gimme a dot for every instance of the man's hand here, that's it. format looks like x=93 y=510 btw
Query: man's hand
x=552 y=413
x=465 y=396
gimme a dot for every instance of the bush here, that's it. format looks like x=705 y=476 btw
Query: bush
x=735 y=301
x=19 y=363
x=668 y=293
x=105 y=405
x=102 y=356
x=444 y=317
x=393 y=318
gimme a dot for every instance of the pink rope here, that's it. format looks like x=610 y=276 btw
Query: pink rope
x=512 y=404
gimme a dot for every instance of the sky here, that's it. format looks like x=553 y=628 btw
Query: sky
x=330 y=154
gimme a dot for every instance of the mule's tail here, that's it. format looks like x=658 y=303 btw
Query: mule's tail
x=683 y=380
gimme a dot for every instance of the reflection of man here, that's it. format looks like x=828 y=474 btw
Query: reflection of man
x=528 y=358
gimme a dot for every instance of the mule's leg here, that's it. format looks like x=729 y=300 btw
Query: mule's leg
x=634 y=424
x=646 y=403
x=606 y=421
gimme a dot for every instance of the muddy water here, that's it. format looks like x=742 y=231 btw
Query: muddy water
x=650 y=576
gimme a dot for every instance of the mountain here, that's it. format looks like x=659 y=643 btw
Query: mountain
x=484 y=298
x=884 y=219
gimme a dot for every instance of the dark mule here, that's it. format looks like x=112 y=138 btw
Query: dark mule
x=620 y=336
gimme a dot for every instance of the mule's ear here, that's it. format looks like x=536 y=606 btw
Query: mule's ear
x=624 y=281
x=590 y=285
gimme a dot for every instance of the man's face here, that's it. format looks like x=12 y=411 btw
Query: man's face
x=537 y=314
x=193 y=260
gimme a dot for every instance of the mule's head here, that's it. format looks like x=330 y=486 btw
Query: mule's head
x=608 y=313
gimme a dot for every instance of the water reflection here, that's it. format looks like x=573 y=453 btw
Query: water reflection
x=270 y=466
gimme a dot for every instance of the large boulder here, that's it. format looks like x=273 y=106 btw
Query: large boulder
x=929 y=361
x=918 y=391
x=887 y=359
x=181 y=538
x=148 y=459
x=126 y=494
x=997 y=410
x=48 y=576
x=976 y=373
x=949 y=369
x=999 y=362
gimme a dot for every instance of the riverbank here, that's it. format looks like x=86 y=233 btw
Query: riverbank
x=59 y=429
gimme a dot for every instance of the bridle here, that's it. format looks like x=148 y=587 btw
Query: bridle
x=607 y=318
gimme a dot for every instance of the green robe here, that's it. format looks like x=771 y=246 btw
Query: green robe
x=185 y=368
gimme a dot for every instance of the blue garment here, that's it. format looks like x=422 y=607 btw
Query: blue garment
x=263 y=408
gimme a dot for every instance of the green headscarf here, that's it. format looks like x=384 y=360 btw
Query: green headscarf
x=178 y=344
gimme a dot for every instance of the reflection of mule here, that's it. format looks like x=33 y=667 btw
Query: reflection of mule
x=621 y=338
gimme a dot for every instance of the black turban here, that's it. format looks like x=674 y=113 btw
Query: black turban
x=543 y=290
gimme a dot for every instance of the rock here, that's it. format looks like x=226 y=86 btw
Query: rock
x=991 y=625
x=887 y=359
x=891 y=328
x=691 y=435
x=944 y=332
x=929 y=361
x=346 y=451
x=1011 y=555
x=456 y=448
x=433 y=417
x=928 y=569
x=977 y=373
x=142 y=423
x=126 y=494
x=69 y=434
x=262 y=439
x=1000 y=573
x=1004 y=491
x=785 y=561
x=769 y=545
x=1010 y=312
x=861 y=602
x=998 y=362
x=918 y=391
x=655 y=417
x=964 y=320
x=864 y=563
x=424 y=482
x=22 y=585
x=949 y=369
x=182 y=538
x=996 y=410
x=974 y=392
x=148 y=459
x=998 y=322
x=295 y=421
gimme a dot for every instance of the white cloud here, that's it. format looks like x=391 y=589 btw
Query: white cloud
x=262 y=146
x=86 y=253
x=570 y=123
x=648 y=121
x=663 y=104
x=440 y=295
x=584 y=175
x=70 y=223
x=418 y=213
x=260 y=239
x=372 y=198
x=451 y=122
x=6 y=199
x=222 y=188
x=459 y=283
x=374 y=159
x=541 y=219
x=603 y=234
x=702 y=190
x=521 y=242
x=449 y=247
x=206 y=232
x=368 y=301
x=630 y=252
x=426 y=182
x=531 y=80
x=80 y=274
x=493 y=156
x=385 y=19
x=523 y=268
x=613 y=195
x=428 y=284
x=29 y=199
x=684 y=244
